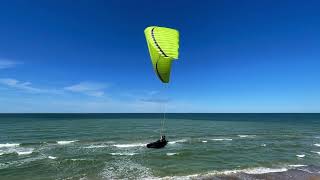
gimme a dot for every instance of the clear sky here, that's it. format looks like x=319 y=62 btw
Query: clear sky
x=91 y=56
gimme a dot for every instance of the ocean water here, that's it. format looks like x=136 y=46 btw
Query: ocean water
x=112 y=146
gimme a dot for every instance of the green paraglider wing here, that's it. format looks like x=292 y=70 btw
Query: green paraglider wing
x=163 y=45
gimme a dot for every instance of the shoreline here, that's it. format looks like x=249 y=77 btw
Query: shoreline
x=310 y=172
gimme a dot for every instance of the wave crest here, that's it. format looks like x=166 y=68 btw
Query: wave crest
x=6 y=145
x=66 y=142
x=221 y=139
x=129 y=145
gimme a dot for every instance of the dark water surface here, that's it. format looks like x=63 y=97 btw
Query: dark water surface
x=112 y=146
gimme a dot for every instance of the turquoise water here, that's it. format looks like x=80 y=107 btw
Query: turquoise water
x=112 y=146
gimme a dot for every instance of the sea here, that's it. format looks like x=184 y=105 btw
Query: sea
x=201 y=146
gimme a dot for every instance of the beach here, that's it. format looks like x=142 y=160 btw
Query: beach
x=201 y=146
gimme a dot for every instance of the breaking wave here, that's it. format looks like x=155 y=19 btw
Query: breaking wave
x=7 y=145
x=209 y=175
x=123 y=154
x=129 y=145
x=316 y=152
x=221 y=139
x=96 y=146
x=246 y=136
x=300 y=155
x=15 y=149
x=177 y=141
x=52 y=157
x=297 y=165
x=24 y=151
x=66 y=142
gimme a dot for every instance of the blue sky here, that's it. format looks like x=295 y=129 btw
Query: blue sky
x=91 y=56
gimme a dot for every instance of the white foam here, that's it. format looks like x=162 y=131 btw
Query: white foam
x=95 y=146
x=52 y=157
x=297 y=165
x=306 y=170
x=300 y=155
x=123 y=154
x=7 y=151
x=258 y=170
x=317 y=145
x=177 y=141
x=316 y=152
x=221 y=139
x=16 y=150
x=24 y=152
x=20 y=162
x=204 y=141
x=78 y=159
x=129 y=145
x=172 y=154
x=119 y=167
x=246 y=136
x=9 y=145
x=262 y=170
x=66 y=142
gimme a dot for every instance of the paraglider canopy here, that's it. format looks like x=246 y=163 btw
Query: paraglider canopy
x=163 y=45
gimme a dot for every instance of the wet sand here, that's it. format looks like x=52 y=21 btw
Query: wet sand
x=302 y=173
